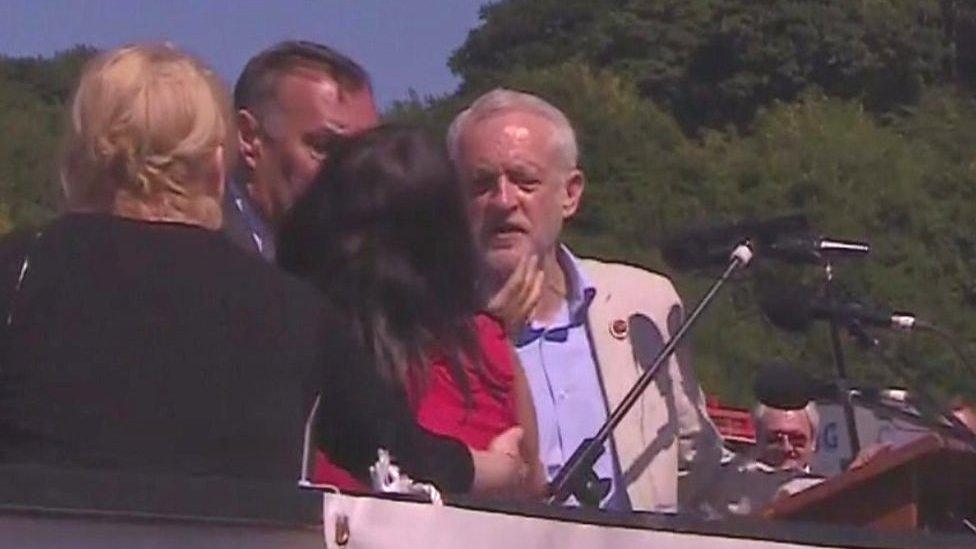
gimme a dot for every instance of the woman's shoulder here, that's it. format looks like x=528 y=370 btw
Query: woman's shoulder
x=495 y=345
x=492 y=336
x=487 y=325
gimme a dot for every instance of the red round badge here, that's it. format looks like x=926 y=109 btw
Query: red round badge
x=618 y=328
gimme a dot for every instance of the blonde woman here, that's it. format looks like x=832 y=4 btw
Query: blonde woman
x=134 y=337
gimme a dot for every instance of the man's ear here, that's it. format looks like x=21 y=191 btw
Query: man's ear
x=249 y=141
x=573 y=192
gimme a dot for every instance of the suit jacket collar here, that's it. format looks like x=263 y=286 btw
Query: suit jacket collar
x=619 y=371
x=244 y=222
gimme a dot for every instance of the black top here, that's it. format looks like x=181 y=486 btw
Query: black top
x=153 y=347
x=163 y=349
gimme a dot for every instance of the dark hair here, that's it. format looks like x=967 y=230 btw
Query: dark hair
x=256 y=85
x=383 y=232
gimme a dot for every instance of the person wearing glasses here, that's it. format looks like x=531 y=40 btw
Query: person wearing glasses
x=787 y=439
x=779 y=465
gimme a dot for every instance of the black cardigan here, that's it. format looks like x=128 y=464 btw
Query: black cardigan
x=161 y=347
x=153 y=346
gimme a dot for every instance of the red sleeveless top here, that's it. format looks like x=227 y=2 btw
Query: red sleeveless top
x=442 y=409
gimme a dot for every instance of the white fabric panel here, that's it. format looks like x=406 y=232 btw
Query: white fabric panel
x=385 y=524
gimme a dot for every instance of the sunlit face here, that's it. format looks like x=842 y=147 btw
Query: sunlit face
x=521 y=188
x=788 y=439
x=308 y=113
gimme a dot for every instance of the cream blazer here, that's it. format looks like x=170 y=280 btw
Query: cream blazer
x=668 y=430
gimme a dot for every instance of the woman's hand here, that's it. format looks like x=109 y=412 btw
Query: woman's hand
x=517 y=298
x=502 y=471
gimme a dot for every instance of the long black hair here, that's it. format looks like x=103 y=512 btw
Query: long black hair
x=383 y=232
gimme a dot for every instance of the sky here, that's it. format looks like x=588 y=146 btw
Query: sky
x=404 y=44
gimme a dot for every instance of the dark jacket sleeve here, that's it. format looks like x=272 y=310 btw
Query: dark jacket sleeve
x=14 y=249
x=359 y=413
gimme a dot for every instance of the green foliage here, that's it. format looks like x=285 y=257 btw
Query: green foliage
x=33 y=94
x=714 y=62
x=891 y=185
x=52 y=80
x=528 y=34
x=433 y=113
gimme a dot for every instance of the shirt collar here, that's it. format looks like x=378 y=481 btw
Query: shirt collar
x=579 y=294
x=579 y=289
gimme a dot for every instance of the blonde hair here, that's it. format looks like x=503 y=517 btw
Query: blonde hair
x=147 y=122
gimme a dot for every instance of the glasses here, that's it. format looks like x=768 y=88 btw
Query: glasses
x=788 y=439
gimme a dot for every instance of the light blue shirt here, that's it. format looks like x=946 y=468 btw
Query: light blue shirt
x=569 y=400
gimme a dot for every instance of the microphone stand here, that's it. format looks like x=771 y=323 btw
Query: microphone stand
x=945 y=424
x=577 y=477
x=842 y=381
x=922 y=401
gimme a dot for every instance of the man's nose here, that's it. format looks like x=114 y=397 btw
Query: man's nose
x=785 y=443
x=792 y=447
x=503 y=195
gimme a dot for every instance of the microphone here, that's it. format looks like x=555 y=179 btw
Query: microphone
x=778 y=385
x=807 y=248
x=793 y=308
x=712 y=245
x=786 y=238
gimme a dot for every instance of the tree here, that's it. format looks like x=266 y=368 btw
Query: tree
x=908 y=188
x=715 y=62
x=33 y=96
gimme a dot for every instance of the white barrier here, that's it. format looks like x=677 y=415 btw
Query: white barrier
x=373 y=523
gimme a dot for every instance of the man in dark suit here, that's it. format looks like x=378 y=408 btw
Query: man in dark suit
x=292 y=101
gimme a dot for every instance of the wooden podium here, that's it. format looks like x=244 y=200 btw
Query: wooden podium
x=929 y=484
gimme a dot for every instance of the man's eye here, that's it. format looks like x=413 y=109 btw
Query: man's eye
x=482 y=183
x=525 y=181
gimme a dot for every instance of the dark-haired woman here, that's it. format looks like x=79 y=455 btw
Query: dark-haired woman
x=384 y=235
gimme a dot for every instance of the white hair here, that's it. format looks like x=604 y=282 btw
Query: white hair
x=501 y=100
x=813 y=416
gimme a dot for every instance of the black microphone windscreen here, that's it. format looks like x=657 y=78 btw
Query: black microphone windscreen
x=697 y=250
x=789 y=307
x=712 y=245
x=777 y=385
